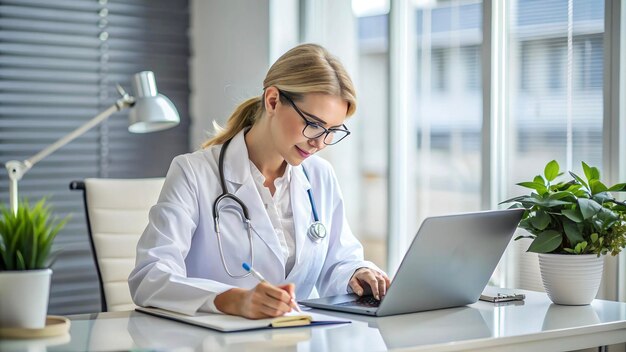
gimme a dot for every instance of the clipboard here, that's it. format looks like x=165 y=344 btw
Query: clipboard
x=231 y=323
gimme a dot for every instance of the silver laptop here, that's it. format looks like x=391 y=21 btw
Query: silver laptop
x=448 y=264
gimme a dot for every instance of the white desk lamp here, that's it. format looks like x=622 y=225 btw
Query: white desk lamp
x=150 y=112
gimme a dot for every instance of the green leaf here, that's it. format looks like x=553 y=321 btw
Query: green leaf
x=608 y=218
x=522 y=236
x=548 y=203
x=572 y=214
x=20 y=265
x=562 y=186
x=27 y=236
x=620 y=187
x=573 y=186
x=514 y=199
x=51 y=258
x=569 y=196
x=546 y=242
x=527 y=225
x=539 y=187
x=572 y=231
x=580 y=180
x=588 y=207
x=597 y=224
x=551 y=171
x=541 y=220
x=591 y=173
x=603 y=197
x=539 y=179
x=580 y=248
x=597 y=186
x=581 y=193
x=33 y=250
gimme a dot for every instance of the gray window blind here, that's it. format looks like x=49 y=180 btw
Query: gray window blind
x=59 y=63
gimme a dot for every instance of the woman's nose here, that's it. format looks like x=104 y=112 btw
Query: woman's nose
x=318 y=142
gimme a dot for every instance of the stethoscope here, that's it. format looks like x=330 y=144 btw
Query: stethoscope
x=316 y=231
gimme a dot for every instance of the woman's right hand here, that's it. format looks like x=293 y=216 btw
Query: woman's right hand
x=263 y=301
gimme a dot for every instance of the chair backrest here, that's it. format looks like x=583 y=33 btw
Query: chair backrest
x=117 y=214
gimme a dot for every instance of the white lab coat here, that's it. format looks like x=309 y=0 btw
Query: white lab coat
x=178 y=265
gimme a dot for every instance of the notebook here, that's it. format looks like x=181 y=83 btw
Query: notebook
x=447 y=265
x=231 y=323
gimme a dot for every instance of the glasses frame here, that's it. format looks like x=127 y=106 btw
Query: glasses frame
x=326 y=131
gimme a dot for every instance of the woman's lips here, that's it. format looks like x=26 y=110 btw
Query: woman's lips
x=303 y=153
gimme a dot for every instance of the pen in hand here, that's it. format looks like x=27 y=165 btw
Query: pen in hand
x=260 y=277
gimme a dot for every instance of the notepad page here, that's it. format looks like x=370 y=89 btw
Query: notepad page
x=224 y=322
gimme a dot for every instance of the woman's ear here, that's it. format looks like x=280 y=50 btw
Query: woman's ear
x=270 y=99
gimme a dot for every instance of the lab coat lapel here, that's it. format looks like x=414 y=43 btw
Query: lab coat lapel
x=240 y=182
x=302 y=213
x=261 y=223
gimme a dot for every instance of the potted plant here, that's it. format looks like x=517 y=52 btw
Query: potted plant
x=25 y=241
x=572 y=224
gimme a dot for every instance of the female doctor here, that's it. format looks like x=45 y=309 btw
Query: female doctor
x=256 y=193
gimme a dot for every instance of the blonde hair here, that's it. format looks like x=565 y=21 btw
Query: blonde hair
x=307 y=68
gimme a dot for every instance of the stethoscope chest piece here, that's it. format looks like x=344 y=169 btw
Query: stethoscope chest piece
x=316 y=232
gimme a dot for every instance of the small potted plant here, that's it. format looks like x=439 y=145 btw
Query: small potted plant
x=25 y=241
x=572 y=224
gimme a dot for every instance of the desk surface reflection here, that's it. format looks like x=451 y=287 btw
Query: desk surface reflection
x=535 y=324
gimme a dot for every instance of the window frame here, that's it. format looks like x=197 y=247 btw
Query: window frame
x=614 y=129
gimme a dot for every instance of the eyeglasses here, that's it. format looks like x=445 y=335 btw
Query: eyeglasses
x=313 y=130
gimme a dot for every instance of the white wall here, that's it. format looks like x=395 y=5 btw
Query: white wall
x=284 y=26
x=230 y=46
x=331 y=24
x=233 y=44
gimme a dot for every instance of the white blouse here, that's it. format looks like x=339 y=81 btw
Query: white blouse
x=280 y=213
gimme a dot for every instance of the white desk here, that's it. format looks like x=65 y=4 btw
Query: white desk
x=536 y=325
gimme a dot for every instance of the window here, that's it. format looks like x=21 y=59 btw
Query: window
x=372 y=91
x=588 y=56
x=440 y=70
x=549 y=72
x=470 y=59
x=448 y=110
x=549 y=117
x=447 y=138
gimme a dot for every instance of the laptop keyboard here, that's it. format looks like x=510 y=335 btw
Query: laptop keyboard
x=367 y=301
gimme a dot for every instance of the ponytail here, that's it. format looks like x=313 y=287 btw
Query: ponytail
x=307 y=68
x=245 y=115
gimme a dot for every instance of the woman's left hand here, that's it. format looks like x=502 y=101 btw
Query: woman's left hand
x=366 y=280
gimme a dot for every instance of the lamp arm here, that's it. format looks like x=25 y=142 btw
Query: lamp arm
x=17 y=169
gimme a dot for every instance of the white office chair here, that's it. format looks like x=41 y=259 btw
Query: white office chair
x=117 y=213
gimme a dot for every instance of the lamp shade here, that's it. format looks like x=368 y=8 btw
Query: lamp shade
x=151 y=111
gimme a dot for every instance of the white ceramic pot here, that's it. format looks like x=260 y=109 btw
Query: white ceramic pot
x=24 y=298
x=571 y=279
